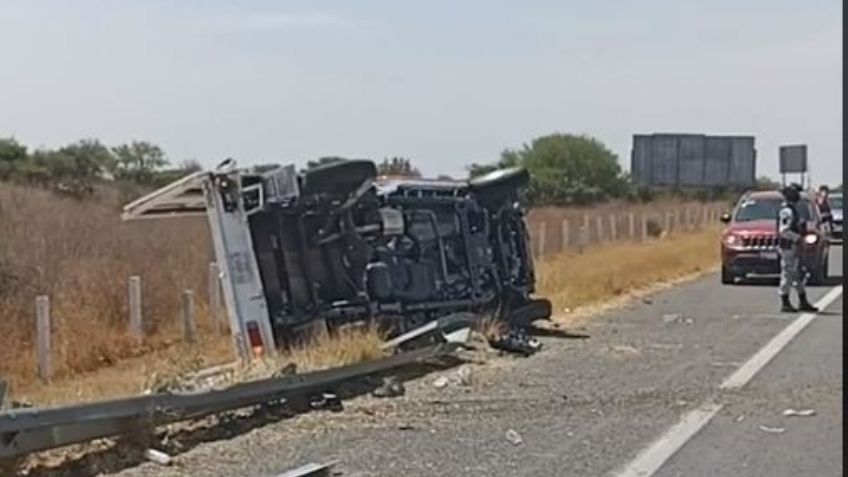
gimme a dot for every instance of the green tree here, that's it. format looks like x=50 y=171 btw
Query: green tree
x=12 y=156
x=397 y=166
x=565 y=169
x=139 y=161
x=766 y=183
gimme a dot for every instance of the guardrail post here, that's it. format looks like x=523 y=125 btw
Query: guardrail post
x=189 y=325
x=566 y=237
x=42 y=332
x=215 y=297
x=136 y=328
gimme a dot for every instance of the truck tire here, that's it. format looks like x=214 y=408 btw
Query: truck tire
x=341 y=177
x=499 y=184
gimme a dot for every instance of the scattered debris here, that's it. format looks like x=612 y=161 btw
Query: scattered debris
x=405 y=427
x=801 y=413
x=513 y=437
x=647 y=301
x=158 y=457
x=676 y=318
x=464 y=376
x=327 y=401
x=440 y=382
x=740 y=418
x=313 y=470
x=773 y=430
x=391 y=387
x=516 y=341
x=287 y=370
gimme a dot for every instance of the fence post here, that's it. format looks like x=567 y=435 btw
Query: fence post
x=542 y=233
x=566 y=237
x=134 y=305
x=613 y=227
x=215 y=297
x=599 y=228
x=631 y=226
x=668 y=218
x=644 y=231
x=42 y=332
x=189 y=326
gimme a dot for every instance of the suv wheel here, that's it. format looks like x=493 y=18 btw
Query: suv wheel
x=339 y=177
x=727 y=277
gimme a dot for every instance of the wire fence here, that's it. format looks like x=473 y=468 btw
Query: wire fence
x=550 y=234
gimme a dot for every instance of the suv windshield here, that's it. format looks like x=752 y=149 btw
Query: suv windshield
x=766 y=209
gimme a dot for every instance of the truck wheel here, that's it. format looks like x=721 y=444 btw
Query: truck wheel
x=496 y=185
x=727 y=277
x=341 y=177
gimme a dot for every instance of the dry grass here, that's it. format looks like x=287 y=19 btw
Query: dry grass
x=571 y=280
x=81 y=254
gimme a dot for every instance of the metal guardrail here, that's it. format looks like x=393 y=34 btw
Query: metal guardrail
x=23 y=431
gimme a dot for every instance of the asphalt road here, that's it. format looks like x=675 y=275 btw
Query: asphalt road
x=646 y=394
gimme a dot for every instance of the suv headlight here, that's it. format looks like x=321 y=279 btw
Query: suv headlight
x=732 y=239
x=811 y=239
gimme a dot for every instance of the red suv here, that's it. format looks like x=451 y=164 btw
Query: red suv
x=749 y=242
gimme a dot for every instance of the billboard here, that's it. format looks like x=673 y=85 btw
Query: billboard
x=695 y=160
x=793 y=159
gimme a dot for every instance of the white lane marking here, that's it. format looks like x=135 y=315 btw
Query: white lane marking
x=747 y=371
x=654 y=456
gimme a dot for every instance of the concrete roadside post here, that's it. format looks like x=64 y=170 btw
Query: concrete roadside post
x=42 y=333
x=566 y=237
x=215 y=298
x=644 y=232
x=613 y=221
x=189 y=325
x=136 y=326
x=631 y=226
x=599 y=228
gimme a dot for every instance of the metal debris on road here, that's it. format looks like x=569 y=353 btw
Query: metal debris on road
x=158 y=457
x=440 y=382
x=740 y=418
x=516 y=341
x=311 y=470
x=801 y=413
x=773 y=430
x=675 y=318
x=513 y=437
x=327 y=401
x=464 y=376
x=391 y=387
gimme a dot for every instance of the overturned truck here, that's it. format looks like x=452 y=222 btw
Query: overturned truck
x=338 y=244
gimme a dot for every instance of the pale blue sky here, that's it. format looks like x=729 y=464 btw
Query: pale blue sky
x=443 y=82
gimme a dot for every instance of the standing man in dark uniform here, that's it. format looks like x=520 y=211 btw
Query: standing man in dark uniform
x=790 y=232
x=824 y=207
